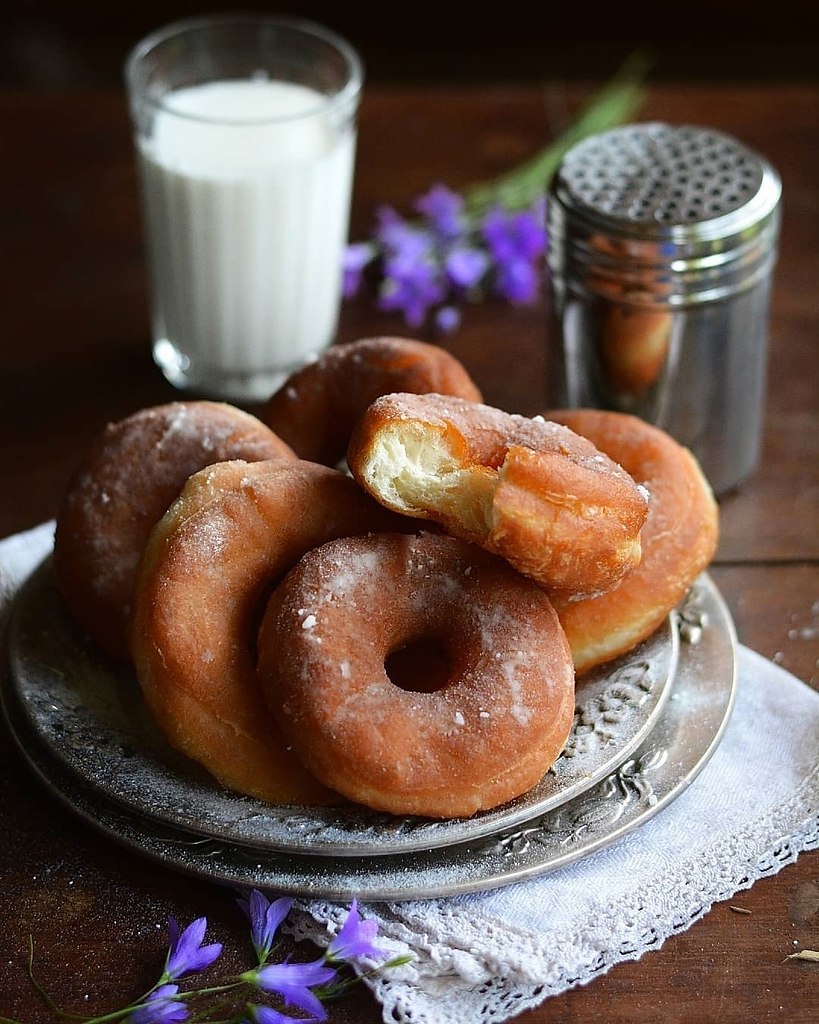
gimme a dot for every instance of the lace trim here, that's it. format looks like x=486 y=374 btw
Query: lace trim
x=472 y=968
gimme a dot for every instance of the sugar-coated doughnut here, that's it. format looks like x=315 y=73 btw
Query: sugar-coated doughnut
x=133 y=471
x=204 y=577
x=316 y=409
x=532 y=491
x=679 y=537
x=491 y=731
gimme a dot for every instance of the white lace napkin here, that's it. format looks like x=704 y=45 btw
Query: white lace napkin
x=480 y=959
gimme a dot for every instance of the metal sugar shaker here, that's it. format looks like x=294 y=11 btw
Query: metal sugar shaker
x=662 y=242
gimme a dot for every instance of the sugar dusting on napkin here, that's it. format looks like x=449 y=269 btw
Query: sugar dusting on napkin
x=485 y=957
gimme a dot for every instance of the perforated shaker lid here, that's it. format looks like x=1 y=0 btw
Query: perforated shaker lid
x=685 y=213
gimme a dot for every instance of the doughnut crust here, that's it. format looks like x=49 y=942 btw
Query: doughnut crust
x=316 y=409
x=201 y=587
x=487 y=735
x=133 y=472
x=679 y=538
x=547 y=500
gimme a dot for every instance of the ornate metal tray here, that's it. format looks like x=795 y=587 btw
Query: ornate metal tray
x=677 y=742
x=91 y=717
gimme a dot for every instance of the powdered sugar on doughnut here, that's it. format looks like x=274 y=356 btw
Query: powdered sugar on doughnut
x=489 y=730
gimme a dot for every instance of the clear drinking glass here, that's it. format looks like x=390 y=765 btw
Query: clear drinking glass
x=245 y=131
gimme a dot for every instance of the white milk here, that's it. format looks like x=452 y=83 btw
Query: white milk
x=246 y=191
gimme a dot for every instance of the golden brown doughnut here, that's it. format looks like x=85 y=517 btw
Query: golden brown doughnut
x=679 y=537
x=204 y=577
x=487 y=735
x=534 y=492
x=316 y=409
x=133 y=472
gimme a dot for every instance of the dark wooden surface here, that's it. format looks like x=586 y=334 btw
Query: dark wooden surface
x=52 y=44
x=75 y=353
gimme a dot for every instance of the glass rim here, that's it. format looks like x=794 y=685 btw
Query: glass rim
x=349 y=91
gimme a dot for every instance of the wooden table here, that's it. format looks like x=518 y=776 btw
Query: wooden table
x=75 y=354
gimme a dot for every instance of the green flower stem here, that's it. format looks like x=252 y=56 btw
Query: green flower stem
x=213 y=990
x=525 y=184
x=336 y=989
x=113 y=1016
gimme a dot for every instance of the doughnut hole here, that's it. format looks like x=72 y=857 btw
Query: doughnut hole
x=421 y=665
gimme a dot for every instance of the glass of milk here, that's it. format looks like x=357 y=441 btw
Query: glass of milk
x=245 y=130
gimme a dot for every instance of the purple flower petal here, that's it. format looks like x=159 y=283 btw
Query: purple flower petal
x=443 y=209
x=410 y=287
x=265 y=918
x=356 y=258
x=400 y=238
x=293 y=982
x=512 y=236
x=448 y=319
x=160 y=1008
x=186 y=952
x=465 y=266
x=517 y=281
x=267 y=1015
x=355 y=938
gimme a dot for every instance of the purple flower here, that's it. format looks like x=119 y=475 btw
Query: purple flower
x=516 y=240
x=186 y=952
x=465 y=266
x=400 y=238
x=517 y=281
x=356 y=258
x=293 y=982
x=447 y=319
x=354 y=938
x=267 y=1015
x=160 y=1008
x=265 y=918
x=411 y=286
x=514 y=236
x=443 y=209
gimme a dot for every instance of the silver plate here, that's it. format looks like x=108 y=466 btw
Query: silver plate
x=90 y=715
x=684 y=737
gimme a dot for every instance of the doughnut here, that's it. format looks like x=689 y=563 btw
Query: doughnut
x=547 y=500
x=486 y=735
x=679 y=537
x=200 y=590
x=133 y=471
x=316 y=409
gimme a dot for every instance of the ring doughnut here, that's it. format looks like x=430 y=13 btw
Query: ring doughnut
x=201 y=586
x=534 y=492
x=132 y=473
x=679 y=537
x=487 y=735
x=316 y=409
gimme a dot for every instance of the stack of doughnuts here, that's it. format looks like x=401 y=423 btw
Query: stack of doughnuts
x=265 y=597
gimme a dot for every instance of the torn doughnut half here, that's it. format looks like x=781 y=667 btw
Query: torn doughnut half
x=536 y=493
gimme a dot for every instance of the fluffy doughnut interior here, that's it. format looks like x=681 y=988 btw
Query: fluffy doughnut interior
x=416 y=468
